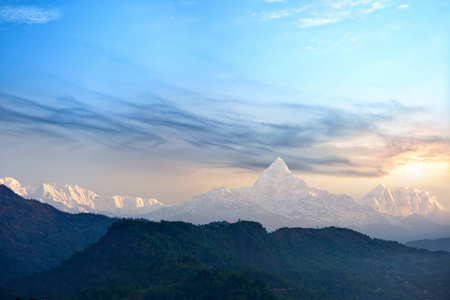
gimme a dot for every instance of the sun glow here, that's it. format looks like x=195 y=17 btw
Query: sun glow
x=418 y=172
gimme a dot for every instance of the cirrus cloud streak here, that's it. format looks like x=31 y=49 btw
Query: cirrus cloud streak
x=320 y=140
x=28 y=14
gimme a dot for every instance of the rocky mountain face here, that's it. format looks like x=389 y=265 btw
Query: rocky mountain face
x=74 y=199
x=405 y=202
x=401 y=201
x=15 y=186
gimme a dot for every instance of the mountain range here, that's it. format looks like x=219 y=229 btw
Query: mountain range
x=277 y=199
x=74 y=199
x=138 y=259
x=401 y=201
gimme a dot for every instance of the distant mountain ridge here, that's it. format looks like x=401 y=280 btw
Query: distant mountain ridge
x=74 y=199
x=277 y=199
x=442 y=244
x=401 y=201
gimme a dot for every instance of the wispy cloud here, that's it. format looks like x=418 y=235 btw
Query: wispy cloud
x=319 y=13
x=277 y=14
x=403 y=6
x=334 y=12
x=373 y=7
x=327 y=19
x=28 y=14
x=346 y=142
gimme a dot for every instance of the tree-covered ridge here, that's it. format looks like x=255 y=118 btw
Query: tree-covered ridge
x=148 y=260
x=35 y=236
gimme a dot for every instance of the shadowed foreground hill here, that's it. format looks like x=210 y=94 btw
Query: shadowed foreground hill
x=36 y=236
x=176 y=260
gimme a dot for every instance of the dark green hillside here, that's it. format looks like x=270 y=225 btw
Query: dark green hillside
x=35 y=236
x=176 y=260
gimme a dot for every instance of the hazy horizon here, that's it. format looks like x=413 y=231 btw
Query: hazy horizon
x=170 y=99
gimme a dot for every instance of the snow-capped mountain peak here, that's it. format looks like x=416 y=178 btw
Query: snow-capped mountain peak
x=69 y=197
x=401 y=201
x=377 y=189
x=277 y=198
x=276 y=178
x=15 y=185
x=277 y=169
x=74 y=199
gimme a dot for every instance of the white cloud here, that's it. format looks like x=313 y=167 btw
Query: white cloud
x=323 y=20
x=278 y=14
x=329 y=12
x=403 y=6
x=265 y=16
x=28 y=14
x=325 y=12
x=309 y=48
x=373 y=7
x=271 y=1
x=308 y=22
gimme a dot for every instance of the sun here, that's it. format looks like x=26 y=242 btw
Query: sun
x=419 y=172
x=416 y=171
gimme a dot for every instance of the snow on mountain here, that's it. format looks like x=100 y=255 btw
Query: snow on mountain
x=278 y=181
x=16 y=187
x=69 y=198
x=277 y=199
x=401 y=201
x=126 y=206
x=74 y=199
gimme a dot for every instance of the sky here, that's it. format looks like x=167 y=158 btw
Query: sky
x=170 y=99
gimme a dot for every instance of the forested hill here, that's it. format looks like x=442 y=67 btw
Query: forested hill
x=35 y=236
x=176 y=260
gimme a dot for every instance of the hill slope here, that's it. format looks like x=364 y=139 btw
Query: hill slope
x=36 y=236
x=134 y=258
x=432 y=245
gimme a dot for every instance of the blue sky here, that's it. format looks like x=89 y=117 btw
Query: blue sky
x=168 y=99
